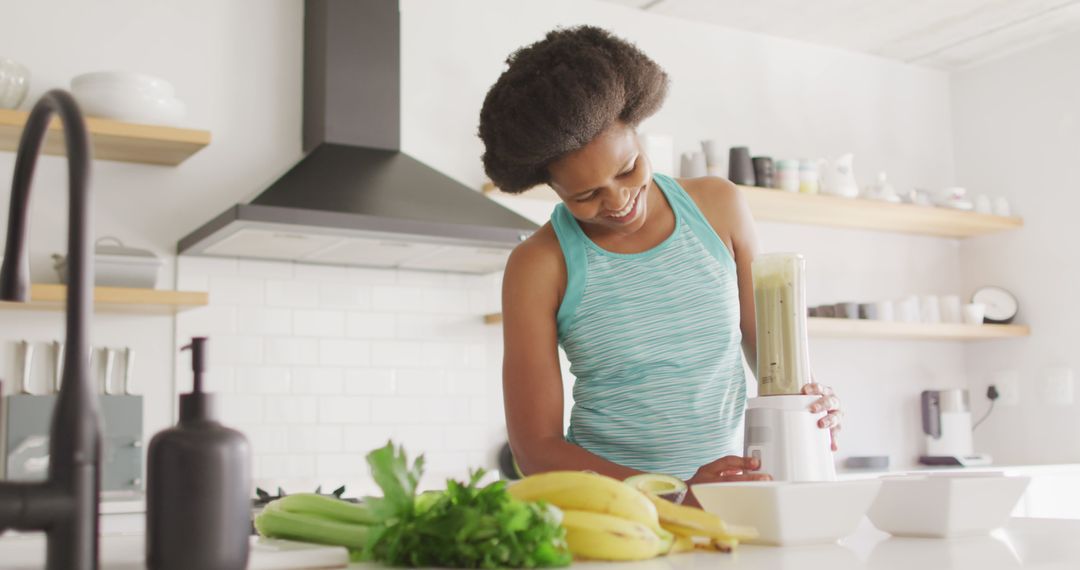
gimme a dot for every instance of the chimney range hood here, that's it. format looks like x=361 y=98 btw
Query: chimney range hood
x=355 y=198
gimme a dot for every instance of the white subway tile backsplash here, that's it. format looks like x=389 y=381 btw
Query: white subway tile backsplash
x=344 y=296
x=292 y=409
x=369 y=381
x=322 y=273
x=344 y=352
x=362 y=439
x=321 y=364
x=372 y=276
x=319 y=323
x=371 y=325
x=420 y=382
x=207 y=321
x=268 y=439
x=262 y=380
x=240 y=408
x=227 y=349
x=445 y=301
x=294 y=294
x=219 y=379
x=465 y=438
x=341 y=464
x=264 y=269
x=292 y=351
x=420 y=410
x=317 y=380
x=467 y=382
x=207 y=266
x=397 y=299
x=315 y=439
x=444 y=355
x=237 y=291
x=264 y=321
x=344 y=410
x=192 y=282
x=421 y=278
x=396 y=354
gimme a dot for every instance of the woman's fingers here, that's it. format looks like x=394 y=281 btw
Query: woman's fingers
x=830 y=420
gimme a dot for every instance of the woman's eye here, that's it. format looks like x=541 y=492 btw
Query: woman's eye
x=587 y=198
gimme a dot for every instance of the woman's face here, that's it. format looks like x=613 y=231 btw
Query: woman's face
x=605 y=184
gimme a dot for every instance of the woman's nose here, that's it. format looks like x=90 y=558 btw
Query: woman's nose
x=616 y=199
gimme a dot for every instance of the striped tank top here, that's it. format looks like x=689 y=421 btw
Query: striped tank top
x=653 y=341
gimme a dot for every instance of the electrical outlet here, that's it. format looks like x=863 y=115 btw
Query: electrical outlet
x=1057 y=386
x=1008 y=386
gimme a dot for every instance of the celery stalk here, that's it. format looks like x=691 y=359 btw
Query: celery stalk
x=276 y=522
x=327 y=507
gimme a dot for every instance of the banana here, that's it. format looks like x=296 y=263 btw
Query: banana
x=606 y=537
x=688 y=521
x=682 y=544
x=580 y=491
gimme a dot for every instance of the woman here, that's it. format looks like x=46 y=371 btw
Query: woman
x=644 y=280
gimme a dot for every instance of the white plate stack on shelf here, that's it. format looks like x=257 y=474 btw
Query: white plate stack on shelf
x=129 y=97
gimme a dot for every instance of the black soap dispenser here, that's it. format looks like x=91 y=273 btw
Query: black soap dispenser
x=198 y=506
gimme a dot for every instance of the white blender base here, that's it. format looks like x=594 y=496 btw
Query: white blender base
x=784 y=435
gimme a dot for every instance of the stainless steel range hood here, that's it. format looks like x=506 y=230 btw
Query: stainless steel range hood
x=355 y=198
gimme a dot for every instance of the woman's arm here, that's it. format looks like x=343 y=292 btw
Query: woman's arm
x=727 y=211
x=532 y=379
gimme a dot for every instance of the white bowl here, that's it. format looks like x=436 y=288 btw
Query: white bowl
x=123 y=80
x=791 y=513
x=945 y=504
x=131 y=106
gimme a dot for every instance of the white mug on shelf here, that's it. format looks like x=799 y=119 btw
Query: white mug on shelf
x=929 y=309
x=885 y=311
x=693 y=164
x=974 y=313
x=1001 y=206
x=950 y=309
x=907 y=309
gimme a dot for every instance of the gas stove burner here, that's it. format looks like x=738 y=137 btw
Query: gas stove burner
x=263 y=497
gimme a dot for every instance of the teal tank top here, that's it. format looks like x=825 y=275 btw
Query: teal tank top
x=653 y=341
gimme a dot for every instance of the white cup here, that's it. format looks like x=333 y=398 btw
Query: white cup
x=950 y=309
x=982 y=204
x=693 y=164
x=885 y=311
x=1001 y=206
x=929 y=309
x=907 y=309
x=974 y=313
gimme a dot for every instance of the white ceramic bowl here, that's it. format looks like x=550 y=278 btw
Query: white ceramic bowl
x=124 y=81
x=14 y=83
x=791 y=513
x=945 y=504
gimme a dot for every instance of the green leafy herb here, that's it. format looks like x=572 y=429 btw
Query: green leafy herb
x=466 y=526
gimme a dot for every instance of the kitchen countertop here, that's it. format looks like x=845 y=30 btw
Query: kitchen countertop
x=1023 y=543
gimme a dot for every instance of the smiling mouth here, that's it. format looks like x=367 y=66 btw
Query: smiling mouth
x=626 y=211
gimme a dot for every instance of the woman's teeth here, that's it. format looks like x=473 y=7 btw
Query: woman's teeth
x=625 y=211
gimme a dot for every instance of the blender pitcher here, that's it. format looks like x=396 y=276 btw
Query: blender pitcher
x=780 y=430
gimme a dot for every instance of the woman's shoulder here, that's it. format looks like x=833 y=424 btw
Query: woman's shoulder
x=538 y=261
x=711 y=191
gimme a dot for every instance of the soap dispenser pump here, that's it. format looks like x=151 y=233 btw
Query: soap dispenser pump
x=198 y=506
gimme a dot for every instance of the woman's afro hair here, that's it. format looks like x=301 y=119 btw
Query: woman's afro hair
x=557 y=95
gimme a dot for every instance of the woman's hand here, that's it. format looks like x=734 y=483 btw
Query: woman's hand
x=829 y=403
x=729 y=468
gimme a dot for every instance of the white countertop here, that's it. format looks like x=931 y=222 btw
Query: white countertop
x=1023 y=543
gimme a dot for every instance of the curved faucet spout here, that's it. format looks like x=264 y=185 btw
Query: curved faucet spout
x=66 y=504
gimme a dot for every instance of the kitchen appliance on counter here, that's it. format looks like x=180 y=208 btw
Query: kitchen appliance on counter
x=946 y=421
x=780 y=430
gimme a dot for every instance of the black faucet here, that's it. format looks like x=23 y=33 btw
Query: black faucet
x=65 y=505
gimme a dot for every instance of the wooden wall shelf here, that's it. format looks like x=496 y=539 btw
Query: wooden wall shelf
x=114 y=140
x=888 y=330
x=815 y=209
x=48 y=297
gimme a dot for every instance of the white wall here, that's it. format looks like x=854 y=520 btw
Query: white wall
x=782 y=98
x=1017 y=134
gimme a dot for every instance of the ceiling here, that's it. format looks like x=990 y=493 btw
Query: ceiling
x=946 y=34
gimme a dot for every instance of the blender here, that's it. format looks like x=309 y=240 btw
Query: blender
x=780 y=430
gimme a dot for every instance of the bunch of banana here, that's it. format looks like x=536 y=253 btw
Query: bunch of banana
x=607 y=519
x=604 y=518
